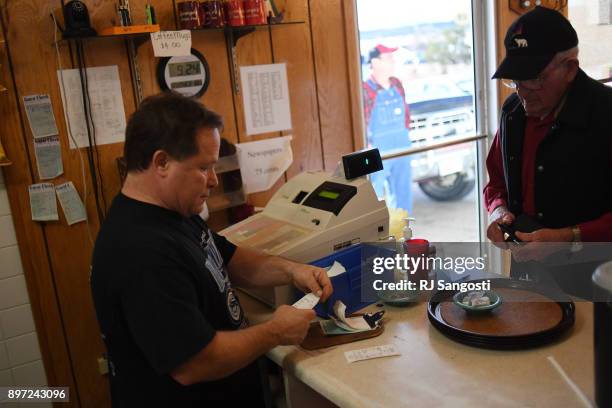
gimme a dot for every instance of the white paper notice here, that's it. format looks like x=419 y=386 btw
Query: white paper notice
x=71 y=203
x=307 y=302
x=48 y=157
x=265 y=95
x=40 y=115
x=371 y=352
x=42 y=202
x=106 y=105
x=263 y=162
x=171 y=43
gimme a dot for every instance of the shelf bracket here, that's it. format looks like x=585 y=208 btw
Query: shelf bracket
x=132 y=45
x=232 y=35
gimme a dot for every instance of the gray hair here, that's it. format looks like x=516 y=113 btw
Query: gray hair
x=571 y=53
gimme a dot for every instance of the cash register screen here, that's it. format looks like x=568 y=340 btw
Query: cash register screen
x=330 y=195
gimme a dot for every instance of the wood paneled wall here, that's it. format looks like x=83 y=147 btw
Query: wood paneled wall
x=56 y=257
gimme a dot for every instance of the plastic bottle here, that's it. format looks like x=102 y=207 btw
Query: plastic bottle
x=415 y=248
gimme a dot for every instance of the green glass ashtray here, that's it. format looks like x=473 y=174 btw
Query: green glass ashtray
x=473 y=301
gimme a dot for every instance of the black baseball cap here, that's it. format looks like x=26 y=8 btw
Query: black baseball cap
x=532 y=41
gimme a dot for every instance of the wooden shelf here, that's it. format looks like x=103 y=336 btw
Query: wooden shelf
x=130 y=30
x=236 y=31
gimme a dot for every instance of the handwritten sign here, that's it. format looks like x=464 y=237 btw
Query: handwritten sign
x=263 y=162
x=171 y=43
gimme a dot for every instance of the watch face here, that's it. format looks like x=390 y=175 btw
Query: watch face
x=187 y=75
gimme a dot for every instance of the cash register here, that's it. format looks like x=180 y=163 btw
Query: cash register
x=315 y=214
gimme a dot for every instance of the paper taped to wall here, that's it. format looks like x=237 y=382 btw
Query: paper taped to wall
x=171 y=43
x=71 y=203
x=263 y=162
x=265 y=96
x=40 y=115
x=106 y=103
x=42 y=202
x=48 y=157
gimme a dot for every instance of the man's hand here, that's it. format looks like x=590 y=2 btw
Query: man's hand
x=308 y=278
x=290 y=325
x=500 y=215
x=541 y=243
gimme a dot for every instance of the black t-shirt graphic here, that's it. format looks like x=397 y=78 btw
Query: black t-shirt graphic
x=161 y=291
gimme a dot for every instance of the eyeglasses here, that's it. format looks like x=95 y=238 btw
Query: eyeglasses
x=532 y=84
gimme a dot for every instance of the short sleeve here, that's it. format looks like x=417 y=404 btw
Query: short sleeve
x=160 y=305
x=225 y=247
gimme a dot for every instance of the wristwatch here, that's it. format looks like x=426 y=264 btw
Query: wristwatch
x=576 y=234
x=576 y=239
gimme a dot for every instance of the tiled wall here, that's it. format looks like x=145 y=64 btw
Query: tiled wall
x=20 y=360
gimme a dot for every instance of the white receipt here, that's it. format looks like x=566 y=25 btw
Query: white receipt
x=371 y=352
x=352 y=324
x=307 y=302
x=336 y=269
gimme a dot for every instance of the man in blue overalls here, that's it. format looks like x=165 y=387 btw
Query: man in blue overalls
x=387 y=119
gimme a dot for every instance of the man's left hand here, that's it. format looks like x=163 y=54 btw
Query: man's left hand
x=541 y=243
x=308 y=278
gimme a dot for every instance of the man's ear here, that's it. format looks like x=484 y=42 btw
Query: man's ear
x=573 y=66
x=161 y=162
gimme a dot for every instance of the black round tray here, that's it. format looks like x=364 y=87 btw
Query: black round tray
x=504 y=342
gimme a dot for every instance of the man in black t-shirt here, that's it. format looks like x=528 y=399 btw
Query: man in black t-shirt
x=162 y=282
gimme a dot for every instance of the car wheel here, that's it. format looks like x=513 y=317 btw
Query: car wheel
x=452 y=187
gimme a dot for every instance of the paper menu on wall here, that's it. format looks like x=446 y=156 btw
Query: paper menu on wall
x=106 y=101
x=40 y=115
x=42 y=202
x=265 y=96
x=71 y=203
x=48 y=154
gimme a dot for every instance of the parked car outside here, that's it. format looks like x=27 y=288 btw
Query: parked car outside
x=440 y=109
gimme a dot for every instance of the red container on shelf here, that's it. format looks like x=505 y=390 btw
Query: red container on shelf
x=189 y=15
x=214 y=14
x=234 y=13
x=254 y=12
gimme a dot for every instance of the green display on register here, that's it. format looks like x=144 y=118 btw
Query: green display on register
x=329 y=194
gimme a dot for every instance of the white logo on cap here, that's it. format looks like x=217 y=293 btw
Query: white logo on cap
x=521 y=42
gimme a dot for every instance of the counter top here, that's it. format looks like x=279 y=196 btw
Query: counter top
x=436 y=371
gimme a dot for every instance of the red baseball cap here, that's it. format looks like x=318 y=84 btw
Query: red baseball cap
x=380 y=49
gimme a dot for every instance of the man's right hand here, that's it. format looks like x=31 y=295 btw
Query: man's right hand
x=290 y=325
x=500 y=215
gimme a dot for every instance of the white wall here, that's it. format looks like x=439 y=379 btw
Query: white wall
x=20 y=359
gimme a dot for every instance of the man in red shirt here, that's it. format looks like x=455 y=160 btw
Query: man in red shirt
x=551 y=159
x=387 y=120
